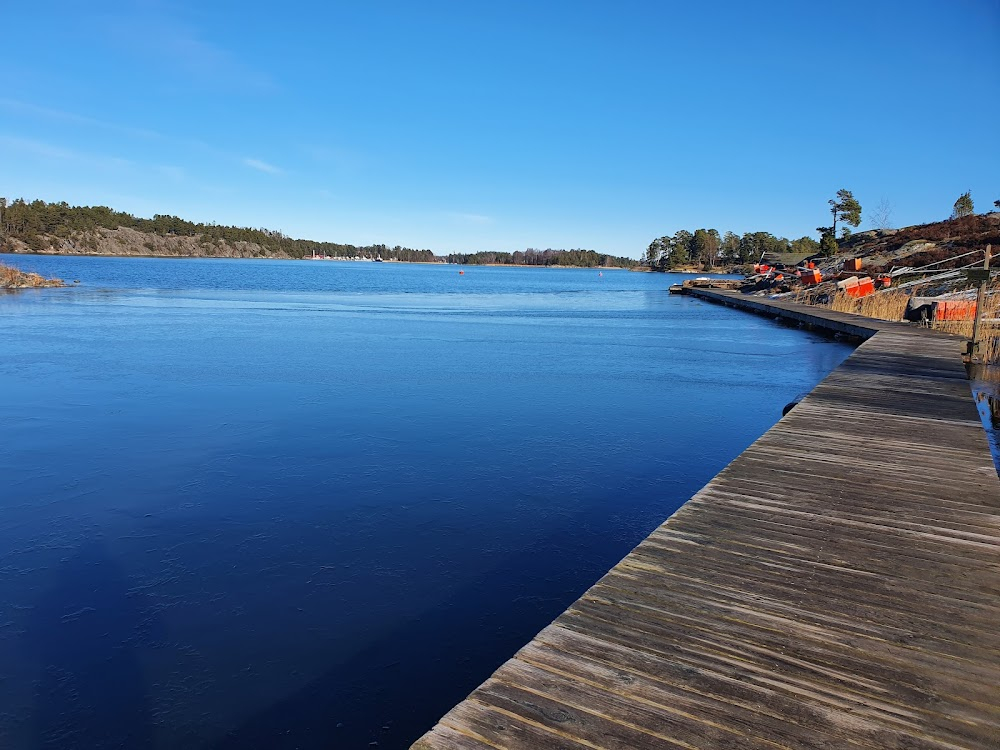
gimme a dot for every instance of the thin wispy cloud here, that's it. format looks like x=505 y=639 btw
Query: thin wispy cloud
x=61 y=153
x=263 y=166
x=39 y=152
x=153 y=33
x=33 y=110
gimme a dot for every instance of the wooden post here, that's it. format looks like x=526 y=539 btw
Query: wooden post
x=980 y=304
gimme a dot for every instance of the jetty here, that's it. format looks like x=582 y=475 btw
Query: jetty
x=836 y=586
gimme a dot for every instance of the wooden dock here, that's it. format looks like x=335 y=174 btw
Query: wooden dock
x=836 y=586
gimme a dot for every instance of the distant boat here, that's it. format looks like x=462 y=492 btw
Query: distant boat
x=379 y=260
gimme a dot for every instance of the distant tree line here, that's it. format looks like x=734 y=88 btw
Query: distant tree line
x=705 y=247
x=33 y=223
x=533 y=257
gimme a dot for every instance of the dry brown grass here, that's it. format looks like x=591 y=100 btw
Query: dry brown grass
x=887 y=305
x=989 y=336
x=891 y=304
x=12 y=278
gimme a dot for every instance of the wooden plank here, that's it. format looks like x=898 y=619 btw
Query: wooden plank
x=837 y=585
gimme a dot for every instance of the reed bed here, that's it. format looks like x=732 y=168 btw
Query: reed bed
x=989 y=334
x=888 y=305
x=891 y=305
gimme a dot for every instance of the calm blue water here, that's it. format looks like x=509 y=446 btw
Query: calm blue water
x=313 y=504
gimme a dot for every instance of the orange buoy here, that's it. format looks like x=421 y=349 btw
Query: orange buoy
x=461 y=273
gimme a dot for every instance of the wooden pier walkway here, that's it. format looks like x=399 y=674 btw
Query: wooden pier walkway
x=836 y=586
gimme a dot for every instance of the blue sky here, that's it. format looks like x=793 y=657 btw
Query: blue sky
x=464 y=126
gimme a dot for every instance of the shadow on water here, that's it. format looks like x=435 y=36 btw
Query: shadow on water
x=397 y=686
x=985 y=381
x=84 y=632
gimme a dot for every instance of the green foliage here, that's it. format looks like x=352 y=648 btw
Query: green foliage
x=828 y=243
x=845 y=208
x=669 y=252
x=706 y=247
x=963 y=206
x=681 y=245
x=730 y=248
x=804 y=245
x=28 y=221
x=656 y=252
x=680 y=251
x=33 y=222
x=533 y=257
x=754 y=244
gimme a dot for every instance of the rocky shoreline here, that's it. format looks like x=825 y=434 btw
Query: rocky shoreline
x=12 y=278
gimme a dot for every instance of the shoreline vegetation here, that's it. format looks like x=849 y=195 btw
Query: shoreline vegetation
x=13 y=278
x=60 y=229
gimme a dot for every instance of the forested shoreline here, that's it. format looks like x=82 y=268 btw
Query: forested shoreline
x=708 y=249
x=533 y=257
x=41 y=227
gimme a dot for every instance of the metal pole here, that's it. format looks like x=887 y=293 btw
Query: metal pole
x=980 y=304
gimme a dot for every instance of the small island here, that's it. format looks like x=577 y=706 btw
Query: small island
x=12 y=278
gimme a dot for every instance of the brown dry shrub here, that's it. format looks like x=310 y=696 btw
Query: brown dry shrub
x=12 y=278
x=969 y=232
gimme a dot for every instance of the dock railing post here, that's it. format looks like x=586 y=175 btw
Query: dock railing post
x=980 y=304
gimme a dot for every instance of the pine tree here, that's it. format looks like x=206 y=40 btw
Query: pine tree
x=846 y=209
x=963 y=206
x=828 y=244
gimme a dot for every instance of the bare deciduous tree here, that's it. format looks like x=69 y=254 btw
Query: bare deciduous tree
x=881 y=217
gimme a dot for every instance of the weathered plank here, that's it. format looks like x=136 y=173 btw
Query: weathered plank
x=837 y=585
